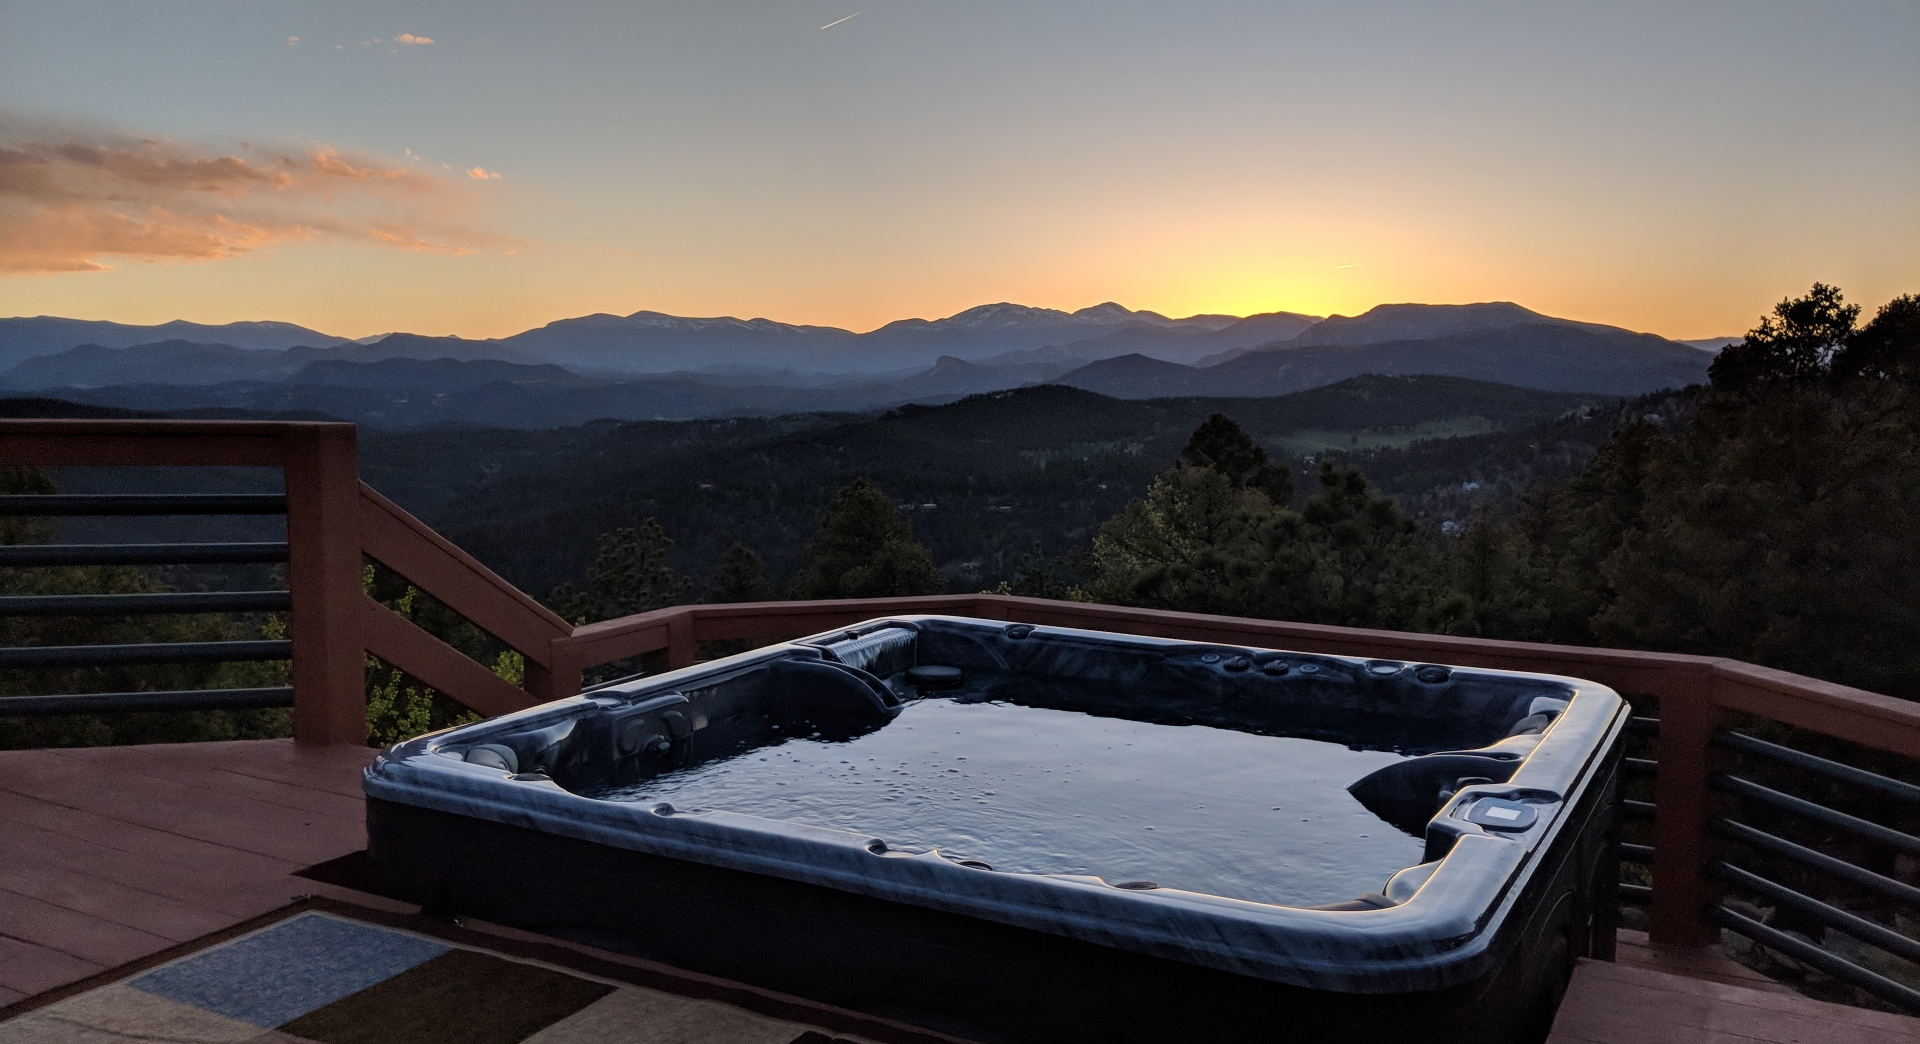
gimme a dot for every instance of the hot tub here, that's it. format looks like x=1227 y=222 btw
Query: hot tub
x=1018 y=833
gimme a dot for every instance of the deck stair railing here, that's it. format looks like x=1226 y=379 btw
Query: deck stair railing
x=1680 y=798
x=1817 y=861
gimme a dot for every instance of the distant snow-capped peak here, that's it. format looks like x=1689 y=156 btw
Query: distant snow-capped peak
x=1004 y=313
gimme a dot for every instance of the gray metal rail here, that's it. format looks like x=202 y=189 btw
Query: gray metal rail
x=29 y=556
x=127 y=702
x=1800 y=950
x=144 y=504
x=156 y=652
x=1831 y=769
x=1805 y=809
x=146 y=604
x=1859 y=927
x=32 y=555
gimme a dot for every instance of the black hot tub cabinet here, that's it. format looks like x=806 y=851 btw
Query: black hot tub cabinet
x=1501 y=783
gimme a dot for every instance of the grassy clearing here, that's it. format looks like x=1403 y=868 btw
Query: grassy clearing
x=1314 y=440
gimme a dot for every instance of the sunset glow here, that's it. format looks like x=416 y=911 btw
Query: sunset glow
x=482 y=169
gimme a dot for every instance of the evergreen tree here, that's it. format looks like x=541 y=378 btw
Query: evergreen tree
x=1039 y=575
x=1181 y=546
x=865 y=548
x=1888 y=347
x=1494 y=580
x=1203 y=540
x=630 y=575
x=1223 y=445
x=742 y=578
x=1792 y=346
x=1776 y=528
x=1377 y=565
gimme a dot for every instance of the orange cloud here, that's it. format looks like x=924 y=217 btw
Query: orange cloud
x=70 y=202
x=411 y=40
x=406 y=239
x=483 y=174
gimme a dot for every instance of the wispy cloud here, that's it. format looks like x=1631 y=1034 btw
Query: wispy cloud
x=293 y=41
x=410 y=40
x=483 y=174
x=74 y=201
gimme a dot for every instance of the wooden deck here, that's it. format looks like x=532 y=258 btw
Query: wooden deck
x=109 y=855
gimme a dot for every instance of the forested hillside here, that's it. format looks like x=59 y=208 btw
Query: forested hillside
x=1005 y=473
x=1763 y=516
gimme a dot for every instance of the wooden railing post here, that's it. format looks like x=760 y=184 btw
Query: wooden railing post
x=682 y=650
x=560 y=678
x=323 y=572
x=1689 y=713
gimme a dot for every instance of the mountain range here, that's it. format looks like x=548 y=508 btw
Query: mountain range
x=1549 y=356
x=654 y=366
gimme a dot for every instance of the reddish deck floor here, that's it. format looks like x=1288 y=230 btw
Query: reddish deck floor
x=109 y=855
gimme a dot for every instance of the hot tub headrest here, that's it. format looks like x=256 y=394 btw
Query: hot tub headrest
x=883 y=652
x=1408 y=793
x=536 y=750
x=832 y=700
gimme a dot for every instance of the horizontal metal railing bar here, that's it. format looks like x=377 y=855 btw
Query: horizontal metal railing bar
x=1632 y=853
x=27 y=555
x=158 y=652
x=1812 y=763
x=1746 y=788
x=1637 y=809
x=1839 y=967
x=1859 y=927
x=1640 y=766
x=145 y=504
x=125 y=702
x=1780 y=846
x=1643 y=725
x=1638 y=895
x=161 y=602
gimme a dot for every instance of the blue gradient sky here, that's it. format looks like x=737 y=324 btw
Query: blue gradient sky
x=1673 y=168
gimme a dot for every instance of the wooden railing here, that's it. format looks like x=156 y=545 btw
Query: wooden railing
x=335 y=522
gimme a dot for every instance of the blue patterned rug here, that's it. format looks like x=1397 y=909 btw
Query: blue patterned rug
x=321 y=978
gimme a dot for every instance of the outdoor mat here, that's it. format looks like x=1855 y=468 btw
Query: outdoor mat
x=320 y=977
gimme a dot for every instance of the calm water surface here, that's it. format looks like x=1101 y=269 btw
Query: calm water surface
x=1058 y=792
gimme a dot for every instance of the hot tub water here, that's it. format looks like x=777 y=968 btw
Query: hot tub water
x=1037 y=790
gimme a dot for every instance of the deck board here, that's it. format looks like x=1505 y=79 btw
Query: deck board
x=231 y=894
x=112 y=854
x=26 y=968
x=1700 y=962
x=96 y=940
x=214 y=778
x=130 y=796
x=116 y=853
x=1630 y=1004
x=25 y=872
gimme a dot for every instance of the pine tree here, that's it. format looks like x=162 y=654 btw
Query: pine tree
x=630 y=575
x=865 y=548
x=1794 y=345
x=1223 y=445
x=742 y=578
x=1887 y=347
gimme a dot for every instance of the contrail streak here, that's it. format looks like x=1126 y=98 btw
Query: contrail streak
x=831 y=24
x=1347 y=266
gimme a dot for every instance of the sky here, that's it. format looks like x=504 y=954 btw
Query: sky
x=480 y=168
